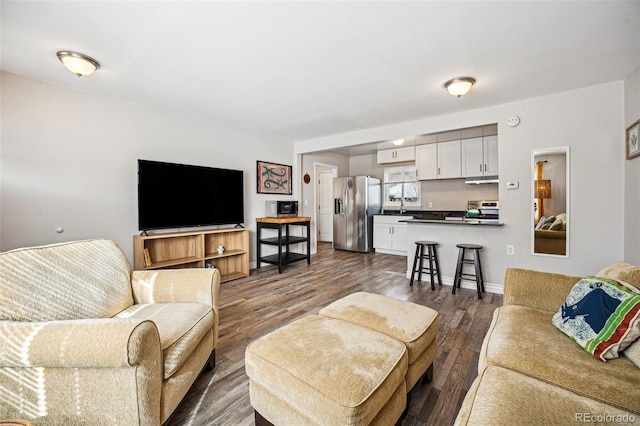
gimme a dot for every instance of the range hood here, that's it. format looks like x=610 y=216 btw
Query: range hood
x=481 y=181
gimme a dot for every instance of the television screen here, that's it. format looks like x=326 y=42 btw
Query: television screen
x=179 y=195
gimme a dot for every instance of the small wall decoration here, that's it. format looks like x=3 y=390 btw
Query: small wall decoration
x=633 y=140
x=274 y=178
x=306 y=178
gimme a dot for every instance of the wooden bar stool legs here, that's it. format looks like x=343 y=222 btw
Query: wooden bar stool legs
x=418 y=262
x=474 y=249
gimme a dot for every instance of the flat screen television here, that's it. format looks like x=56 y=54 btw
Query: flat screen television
x=179 y=195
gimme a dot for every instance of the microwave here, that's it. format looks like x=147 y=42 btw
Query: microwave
x=281 y=208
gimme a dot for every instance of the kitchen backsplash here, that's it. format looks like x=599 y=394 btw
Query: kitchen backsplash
x=453 y=194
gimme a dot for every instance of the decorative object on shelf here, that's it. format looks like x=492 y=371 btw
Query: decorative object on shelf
x=147 y=258
x=306 y=178
x=460 y=85
x=274 y=178
x=633 y=140
x=78 y=63
x=220 y=249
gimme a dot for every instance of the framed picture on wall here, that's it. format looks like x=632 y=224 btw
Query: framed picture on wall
x=274 y=178
x=633 y=141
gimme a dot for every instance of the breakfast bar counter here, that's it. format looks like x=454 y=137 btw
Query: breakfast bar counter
x=493 y=237
x=482 y=222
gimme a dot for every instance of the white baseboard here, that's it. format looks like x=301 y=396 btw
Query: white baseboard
x=394 y=252
x=488 y=287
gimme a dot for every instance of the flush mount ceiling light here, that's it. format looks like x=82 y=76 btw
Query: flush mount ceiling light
x=398 y=142
x=78 y=63
x=460 y=85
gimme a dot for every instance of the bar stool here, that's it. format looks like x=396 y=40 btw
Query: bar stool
x=432 y=256
x=474 y=249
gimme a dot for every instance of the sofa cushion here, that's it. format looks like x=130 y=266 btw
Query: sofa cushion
x=181 y=327
x=622 y=271
x=633 y=352
x=500 y=396
x=74 y=280
x=601 y=315
x=333 y=371
x=414 y=325
x=541 y=351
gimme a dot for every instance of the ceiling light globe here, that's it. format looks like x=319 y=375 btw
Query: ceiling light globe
x=459 y=86
x=78 y=63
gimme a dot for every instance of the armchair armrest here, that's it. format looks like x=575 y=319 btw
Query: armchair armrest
x=87 y=343
x=177 y=285
x=542 y=290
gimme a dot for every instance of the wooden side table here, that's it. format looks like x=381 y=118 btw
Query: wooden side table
x=283 y=240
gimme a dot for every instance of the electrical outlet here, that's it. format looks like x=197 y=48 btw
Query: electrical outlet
x=430 y=204
x=511 y=250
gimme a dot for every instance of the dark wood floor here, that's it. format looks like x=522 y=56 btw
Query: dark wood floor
x=266 y=300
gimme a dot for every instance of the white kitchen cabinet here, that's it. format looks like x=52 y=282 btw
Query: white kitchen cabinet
x=491 y=155
x=480 y=156
x=439 y=160
x=427 y=161
x=390 y=235
x=449 y=162
x=396 y=155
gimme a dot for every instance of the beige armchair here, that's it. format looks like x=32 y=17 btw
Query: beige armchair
x=83 y=340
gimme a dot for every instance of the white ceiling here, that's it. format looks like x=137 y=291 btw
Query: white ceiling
x=298 y=70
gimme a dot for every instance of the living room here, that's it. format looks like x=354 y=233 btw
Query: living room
x=68 y=150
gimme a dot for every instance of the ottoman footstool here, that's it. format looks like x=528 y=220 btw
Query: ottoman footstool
x=414 y=325
x=323 y=371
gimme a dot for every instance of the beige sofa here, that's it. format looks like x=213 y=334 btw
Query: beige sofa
x=550 y=242
x=532 y=373
x=86 y=341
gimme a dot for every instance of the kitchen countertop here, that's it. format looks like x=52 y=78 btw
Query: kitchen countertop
x=471 y=222
x=449 y=217
x=427 y=214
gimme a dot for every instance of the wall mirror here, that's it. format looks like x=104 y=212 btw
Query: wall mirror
x=550 y=201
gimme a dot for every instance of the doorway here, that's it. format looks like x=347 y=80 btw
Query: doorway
x=324 y=200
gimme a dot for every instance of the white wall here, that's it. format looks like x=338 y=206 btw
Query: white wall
x=69 y=160
x=632 y=173
x=589 y=122
x=366 y=165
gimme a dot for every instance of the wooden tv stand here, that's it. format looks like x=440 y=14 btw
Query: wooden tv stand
x=196 y=250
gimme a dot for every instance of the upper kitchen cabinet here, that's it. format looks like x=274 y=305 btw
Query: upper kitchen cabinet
x=439 y=160
x=427 y=161
x=449 y=165
x=396 y=155
x=480 y=156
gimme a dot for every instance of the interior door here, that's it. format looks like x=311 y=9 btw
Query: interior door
x=325 y=206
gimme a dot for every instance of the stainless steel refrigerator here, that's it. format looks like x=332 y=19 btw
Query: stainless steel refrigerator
x=355 y=200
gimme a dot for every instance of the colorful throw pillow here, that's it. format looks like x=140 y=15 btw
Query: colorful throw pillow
x=601 y=315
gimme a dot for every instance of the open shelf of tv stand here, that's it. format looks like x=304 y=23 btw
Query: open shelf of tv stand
x=196 y=250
